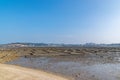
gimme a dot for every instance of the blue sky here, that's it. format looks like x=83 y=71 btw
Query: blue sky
x=60 y=21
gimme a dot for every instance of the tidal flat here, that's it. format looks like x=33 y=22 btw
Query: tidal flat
x=73 y=63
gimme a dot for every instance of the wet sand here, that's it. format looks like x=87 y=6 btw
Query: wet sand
x=74 y=67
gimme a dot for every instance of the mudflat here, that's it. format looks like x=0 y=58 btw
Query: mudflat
x=97 y=63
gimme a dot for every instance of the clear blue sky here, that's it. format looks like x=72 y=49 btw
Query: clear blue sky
x=60 y=21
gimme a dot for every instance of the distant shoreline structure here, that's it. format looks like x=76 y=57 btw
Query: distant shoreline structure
x=18 y=44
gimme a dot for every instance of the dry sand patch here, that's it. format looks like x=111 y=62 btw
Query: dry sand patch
x=10 y=72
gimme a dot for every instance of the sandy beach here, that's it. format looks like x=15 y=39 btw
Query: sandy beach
x=10 y=72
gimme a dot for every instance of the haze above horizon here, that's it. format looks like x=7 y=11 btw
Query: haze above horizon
x=60 y=21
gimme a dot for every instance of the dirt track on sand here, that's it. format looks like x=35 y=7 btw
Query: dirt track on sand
x=10 y=72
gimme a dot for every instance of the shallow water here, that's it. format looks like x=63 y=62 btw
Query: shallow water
x=77 y=69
